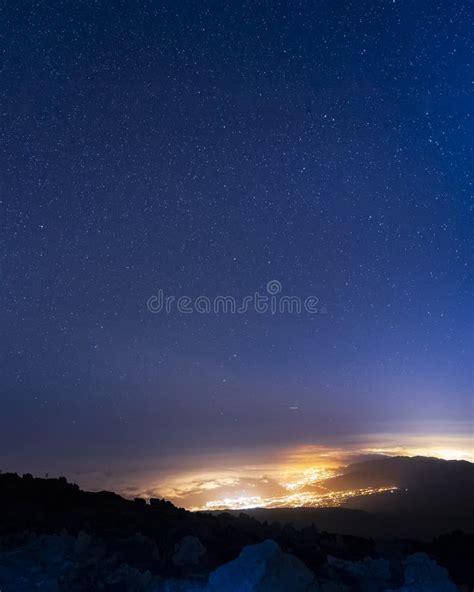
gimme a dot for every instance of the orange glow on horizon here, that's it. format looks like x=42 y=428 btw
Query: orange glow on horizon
x=271 y=476
x=294 y=477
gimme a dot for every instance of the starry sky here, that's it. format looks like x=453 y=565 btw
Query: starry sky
x=207 y=148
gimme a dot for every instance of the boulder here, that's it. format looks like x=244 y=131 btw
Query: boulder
x=266 y=568
x=423 y=574
x=188 y=551
x=128 y=579
x=139 y=550
x=88 y=548
x=370 y=575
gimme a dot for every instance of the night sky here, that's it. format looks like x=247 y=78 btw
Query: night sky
x=207 y=148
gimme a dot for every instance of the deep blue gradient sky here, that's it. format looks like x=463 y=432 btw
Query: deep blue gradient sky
x=208 y=148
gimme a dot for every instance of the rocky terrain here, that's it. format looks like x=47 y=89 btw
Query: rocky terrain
x=55 y=537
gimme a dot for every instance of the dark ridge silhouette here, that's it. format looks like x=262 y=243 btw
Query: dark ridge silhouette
x=51 y=505
x=446 y=477
x=434 y=497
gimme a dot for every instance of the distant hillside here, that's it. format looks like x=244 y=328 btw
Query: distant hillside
x=434 y=496
x=408 y=472
x=432 y=493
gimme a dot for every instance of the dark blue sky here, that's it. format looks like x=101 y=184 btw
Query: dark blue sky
x=206 y=148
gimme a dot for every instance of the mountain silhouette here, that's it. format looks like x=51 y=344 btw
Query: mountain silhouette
x=433 y=496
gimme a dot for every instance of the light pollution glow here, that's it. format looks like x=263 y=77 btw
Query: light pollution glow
x=293 y=477
x=268 y=477
x=294 y=500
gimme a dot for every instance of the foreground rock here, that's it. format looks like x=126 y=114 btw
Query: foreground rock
x=263 y=567
x=266 y=568
x=66 y=563
x=369 y=575
x=56 y=538
x=188 y=551
x=422 y=574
